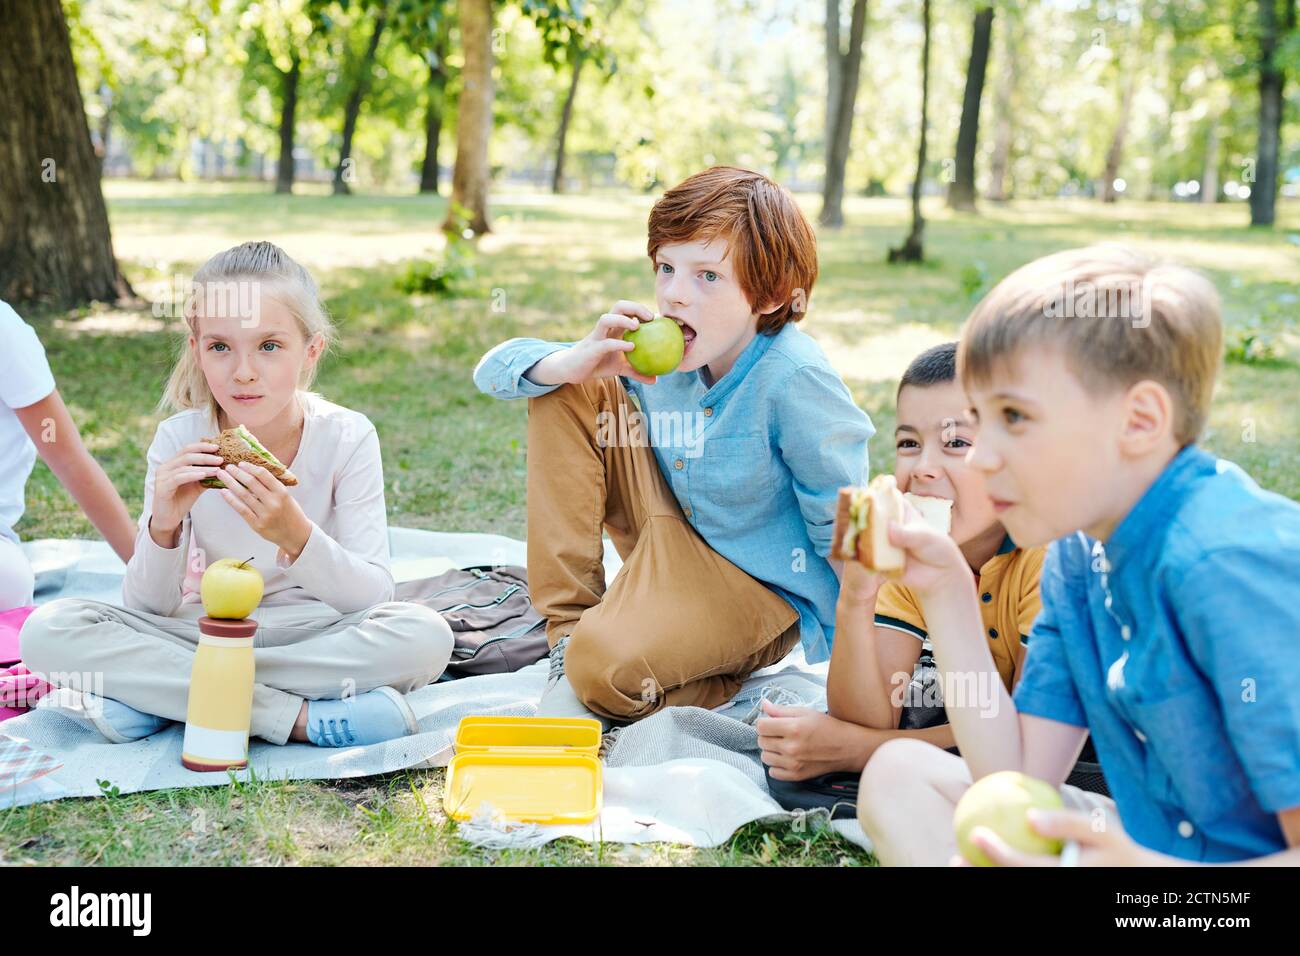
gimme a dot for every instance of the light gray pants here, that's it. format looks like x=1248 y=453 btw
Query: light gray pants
x=301 y=651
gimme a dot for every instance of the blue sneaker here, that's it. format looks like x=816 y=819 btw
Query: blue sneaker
x=369 y=718
x=119 y=722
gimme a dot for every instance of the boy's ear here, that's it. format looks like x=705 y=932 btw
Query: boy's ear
x=1148 y=417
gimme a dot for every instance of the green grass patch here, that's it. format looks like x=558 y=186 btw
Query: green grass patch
x=454 y=459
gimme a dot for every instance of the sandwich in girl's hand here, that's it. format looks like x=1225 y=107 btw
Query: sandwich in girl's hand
x=862 y=519
x=238 y=444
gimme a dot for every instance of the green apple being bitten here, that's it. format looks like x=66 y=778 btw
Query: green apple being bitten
x=231 y=589
x=659 y=343
x=1001 y=801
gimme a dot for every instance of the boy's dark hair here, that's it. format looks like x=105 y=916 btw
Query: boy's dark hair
x=937 y=365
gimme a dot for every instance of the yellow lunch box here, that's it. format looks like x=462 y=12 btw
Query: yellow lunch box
x=530 y=769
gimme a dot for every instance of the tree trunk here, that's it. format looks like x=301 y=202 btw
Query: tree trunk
x=1115 y=154
x=961 y=193
x=285 y=170
x=1263 y=191
x=912 y=249
x=1003 y=135
x=469 y=178
x=55 y=244
x=843 y=68
x=342 y=172
x=1210 y=176
x=105 y=125
x=433 y=119
x=557 y=180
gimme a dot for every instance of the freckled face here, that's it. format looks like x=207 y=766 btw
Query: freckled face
x=695 y=284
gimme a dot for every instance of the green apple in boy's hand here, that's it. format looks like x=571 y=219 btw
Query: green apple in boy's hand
x=231 y=589
x=1001 y=801
x=659 y=346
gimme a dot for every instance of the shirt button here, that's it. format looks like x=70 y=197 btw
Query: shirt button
x=1185 y=829
x=1124 y=632
x=708 y=412
x=986 y=597
x=679 y=464
x=687 y=511
x=1140 y=736
x=993 y=632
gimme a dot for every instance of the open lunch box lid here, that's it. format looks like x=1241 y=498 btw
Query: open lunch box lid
x=569 y=734
x=530 y=769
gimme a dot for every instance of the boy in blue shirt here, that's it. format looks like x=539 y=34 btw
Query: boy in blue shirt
x=717 y=482
x=1169 y=624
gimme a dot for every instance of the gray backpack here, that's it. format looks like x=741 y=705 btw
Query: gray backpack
x=494 y=623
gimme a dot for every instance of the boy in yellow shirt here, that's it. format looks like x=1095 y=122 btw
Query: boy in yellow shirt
x=882 y=683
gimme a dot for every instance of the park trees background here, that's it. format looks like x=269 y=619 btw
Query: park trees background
x=1113 y=100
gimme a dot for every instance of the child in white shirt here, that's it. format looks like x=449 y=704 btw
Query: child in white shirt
x=333 y=651
x=33 y=417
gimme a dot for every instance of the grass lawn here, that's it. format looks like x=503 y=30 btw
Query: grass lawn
x=454 y=460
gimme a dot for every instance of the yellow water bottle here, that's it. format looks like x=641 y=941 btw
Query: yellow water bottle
x=221 y=696
x=220 y=710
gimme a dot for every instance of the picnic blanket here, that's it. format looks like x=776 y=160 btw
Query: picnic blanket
x=685 y=775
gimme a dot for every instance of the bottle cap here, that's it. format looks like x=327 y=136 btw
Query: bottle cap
x=221 y=627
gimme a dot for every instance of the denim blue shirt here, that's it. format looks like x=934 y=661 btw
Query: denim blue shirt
x=1177 y=644
x=755 y=461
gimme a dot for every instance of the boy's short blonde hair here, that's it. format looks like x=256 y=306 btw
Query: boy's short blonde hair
x=1119 y=317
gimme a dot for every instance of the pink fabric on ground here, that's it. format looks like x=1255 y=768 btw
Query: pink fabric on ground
x=11 y=622
x=17 y=684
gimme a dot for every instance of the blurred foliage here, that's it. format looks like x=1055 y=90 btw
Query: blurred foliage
x=681 y=84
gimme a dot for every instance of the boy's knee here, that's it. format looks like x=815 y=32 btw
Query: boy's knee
x=581 y=396
x=605 y=677
x=892 y=770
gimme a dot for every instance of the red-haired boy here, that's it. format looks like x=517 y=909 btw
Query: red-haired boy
x=717 y=482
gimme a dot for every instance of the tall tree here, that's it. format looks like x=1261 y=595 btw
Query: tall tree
x=1115 y=152
x=961 y=192
x=55 y=243
x=469 y=177
x=352 y=110
x=284 y=171
x=843 y=67
x=912 y=250
x=1272 y=78
x=434 y=108
x=424 y=26
x=566 y=116
x=582 y=46
x=1003 y=131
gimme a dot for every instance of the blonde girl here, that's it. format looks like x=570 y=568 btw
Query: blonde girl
x=334 y=653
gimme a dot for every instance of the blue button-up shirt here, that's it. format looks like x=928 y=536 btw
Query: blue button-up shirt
x=1177 y=644
x=755 y=461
